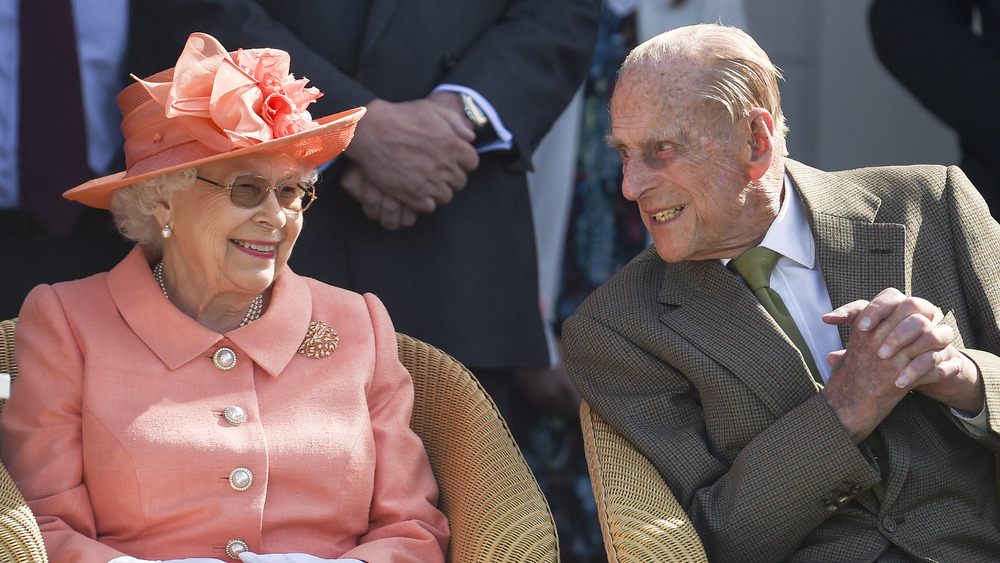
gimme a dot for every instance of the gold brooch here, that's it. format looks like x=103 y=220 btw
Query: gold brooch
x=321 y=340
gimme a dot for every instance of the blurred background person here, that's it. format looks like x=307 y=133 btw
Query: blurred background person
x=62 y=70
x=947 y=53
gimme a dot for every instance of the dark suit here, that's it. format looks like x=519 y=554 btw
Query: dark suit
x=464 y=278
x=930 y=46
x=683 y=360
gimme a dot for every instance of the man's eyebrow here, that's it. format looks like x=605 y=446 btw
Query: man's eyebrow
x=670 y=135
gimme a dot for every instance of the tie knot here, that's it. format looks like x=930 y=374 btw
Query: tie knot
x=755 y=266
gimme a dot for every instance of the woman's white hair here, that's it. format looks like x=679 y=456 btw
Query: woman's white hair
x=133 y=206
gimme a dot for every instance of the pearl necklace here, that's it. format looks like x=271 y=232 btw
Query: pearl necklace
x=256 y=307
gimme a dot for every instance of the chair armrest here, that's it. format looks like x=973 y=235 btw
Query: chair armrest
x=640 y=518
x=20 y=539
x=495 y=508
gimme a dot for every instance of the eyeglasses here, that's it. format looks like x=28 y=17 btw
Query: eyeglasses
x=250 y=191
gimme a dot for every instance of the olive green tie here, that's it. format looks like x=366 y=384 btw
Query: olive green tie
x=755 y=266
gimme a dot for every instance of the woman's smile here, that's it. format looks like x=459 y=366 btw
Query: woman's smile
x=259 y=249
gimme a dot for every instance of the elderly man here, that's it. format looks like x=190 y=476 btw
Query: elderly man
x=787 y=428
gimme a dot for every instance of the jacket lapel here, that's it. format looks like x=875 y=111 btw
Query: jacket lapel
x=703 y=297
x=378 y=17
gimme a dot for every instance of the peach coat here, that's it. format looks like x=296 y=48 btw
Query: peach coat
x=115 y=431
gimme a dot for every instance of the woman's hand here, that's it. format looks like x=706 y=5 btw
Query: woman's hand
x=249 y=557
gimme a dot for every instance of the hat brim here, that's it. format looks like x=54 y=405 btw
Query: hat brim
x=314 y=146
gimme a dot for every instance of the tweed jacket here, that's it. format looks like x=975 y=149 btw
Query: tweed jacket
x=683 y=361
x=115 y=431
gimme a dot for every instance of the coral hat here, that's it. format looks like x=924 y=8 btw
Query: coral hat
x=215 y=105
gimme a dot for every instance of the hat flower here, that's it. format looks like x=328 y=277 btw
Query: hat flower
x=215 y=105
x=230 y=102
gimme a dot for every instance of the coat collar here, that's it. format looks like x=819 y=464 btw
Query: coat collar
x=271 y=341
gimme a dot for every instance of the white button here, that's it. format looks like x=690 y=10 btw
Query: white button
x=224 y=359
x=240 y=479
x=235 y=415
x=235 y=547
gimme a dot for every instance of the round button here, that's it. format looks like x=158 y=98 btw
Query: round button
x=235 y=547
x=234 y=415
x=224 y=359
x=240 y=479
x=832 y=506
x=889 y=524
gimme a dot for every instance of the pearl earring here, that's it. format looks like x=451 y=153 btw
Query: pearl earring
x=165 y=232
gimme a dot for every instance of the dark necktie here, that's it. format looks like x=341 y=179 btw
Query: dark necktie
x=52 y=142
x=755 y=266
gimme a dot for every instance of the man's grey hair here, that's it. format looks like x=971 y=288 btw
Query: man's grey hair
x=738 y=74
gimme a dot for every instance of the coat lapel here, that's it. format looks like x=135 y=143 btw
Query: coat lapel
x=378 y=17
x=703 y=297
x=859 y=258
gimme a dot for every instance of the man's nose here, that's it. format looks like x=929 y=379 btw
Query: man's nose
x=637 y=177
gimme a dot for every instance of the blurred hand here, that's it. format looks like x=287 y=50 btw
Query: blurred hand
x=418 y=153
x=378 y=206
x=551 y=388
x=897 y=345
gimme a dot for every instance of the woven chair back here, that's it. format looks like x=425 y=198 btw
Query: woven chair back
x=640 y=518
x=494 y=505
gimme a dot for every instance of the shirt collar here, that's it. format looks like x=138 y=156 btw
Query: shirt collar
x=789 y=233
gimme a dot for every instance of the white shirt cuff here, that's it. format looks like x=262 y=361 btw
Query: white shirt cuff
x=979 y=424
x=505 y=139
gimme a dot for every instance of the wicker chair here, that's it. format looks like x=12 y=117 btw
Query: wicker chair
x=20 y=539
x=494 y=505
x=640 y=518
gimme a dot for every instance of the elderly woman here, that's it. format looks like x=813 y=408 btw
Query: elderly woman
x=200 y=401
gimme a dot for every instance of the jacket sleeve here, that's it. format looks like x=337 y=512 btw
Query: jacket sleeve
x=405 y=524
x=41 y=431
x=975 y=238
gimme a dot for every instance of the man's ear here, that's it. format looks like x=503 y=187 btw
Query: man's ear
x=761 y=126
